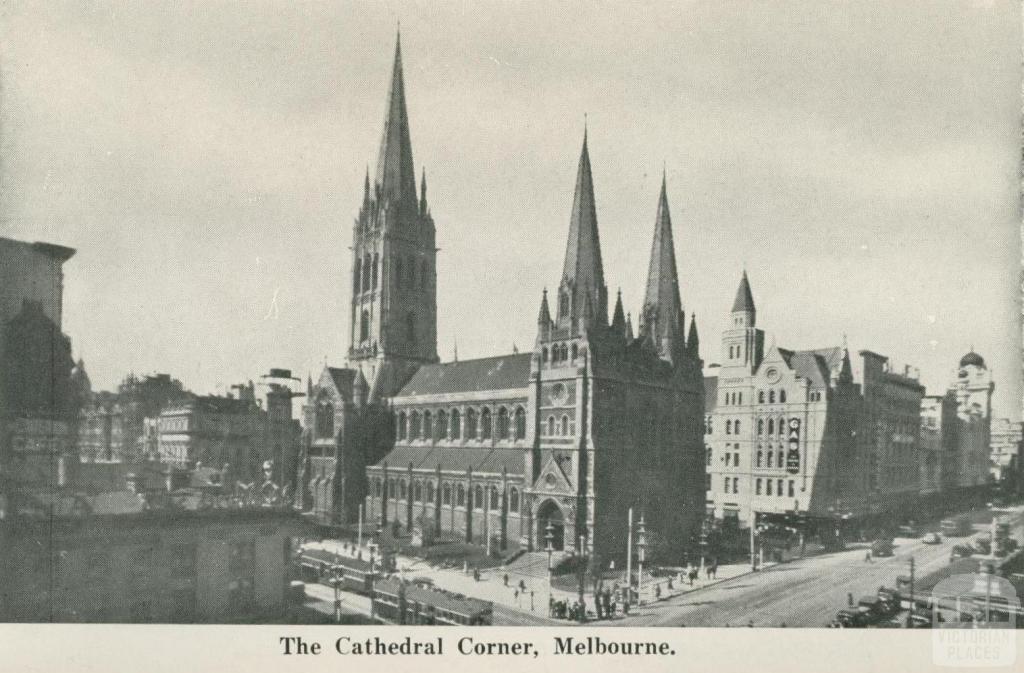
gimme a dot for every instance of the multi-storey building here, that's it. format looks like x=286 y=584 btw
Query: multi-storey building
x=938 y=444
x=566 y=438
x=973 y=387
x=1007 y=438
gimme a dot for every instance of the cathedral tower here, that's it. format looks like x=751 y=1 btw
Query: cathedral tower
x=661 y=320
x=393 y=328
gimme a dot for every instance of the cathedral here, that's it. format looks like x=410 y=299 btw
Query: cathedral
x=515 y=451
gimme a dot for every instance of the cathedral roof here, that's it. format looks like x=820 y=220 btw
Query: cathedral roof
x=495 y=373
x=489 y=460
x=744 y=298
x=396 y=177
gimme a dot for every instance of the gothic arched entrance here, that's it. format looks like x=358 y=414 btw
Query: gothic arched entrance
x=550 y=513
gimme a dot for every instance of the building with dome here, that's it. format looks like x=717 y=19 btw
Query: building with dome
x=973 y=387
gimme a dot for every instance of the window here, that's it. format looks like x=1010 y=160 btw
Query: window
x=442 y=425
x=735 y=484
x=471 y=423
x=485 y=423
x=757 y=487
x=728 y=459
x=709 y=455
x=760 y=458
x=364 y=326
x=401 y=425
x=771 y=396
x=502 y=423
x=376 y=266
x=736 y=426
x=446 y=494
x=417 y=491
x=792 y=490
x=771 y=426
x=760 y=426
x=356 y=275
x=414 y=425
x=460 y=496
x=782 y=396
x=739 y=399
x=736 y=459
x=728 y=427
x=494 y=497
x=563 y=305
x=520 y=421
x=402 y=490
x=760 y=397
x=779 y=489
x=780 y=463
x=707 y=482
x=768 y=486
x=725 y=485
x=428 y=426
x=565 y=426
x=551 y=426
x=782 y=427
x=513 y=500
x=376 y=487
x=325 y=420
x=456 y=424
x=770 y=458
x=478 y=497
x=575 y=351
x=544 y=354
x=367 y=261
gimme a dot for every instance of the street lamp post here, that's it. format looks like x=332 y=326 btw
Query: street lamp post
x=582 y=577
x=337 y=573
x=641 y=547
x=374 y=547
x=549 y=538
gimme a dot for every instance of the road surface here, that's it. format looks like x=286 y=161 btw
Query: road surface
x=807 y=592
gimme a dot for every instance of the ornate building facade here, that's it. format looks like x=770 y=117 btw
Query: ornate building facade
x=567 y=438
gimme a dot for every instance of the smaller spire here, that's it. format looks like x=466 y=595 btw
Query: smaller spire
x=629 y=327
x=545 y=313
x=618 y=317
x=693 y=340
x=423 y=192
x=744 y=298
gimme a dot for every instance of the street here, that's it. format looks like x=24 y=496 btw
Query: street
x=806 y=593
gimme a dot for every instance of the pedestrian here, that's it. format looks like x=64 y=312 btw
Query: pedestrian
x=522 y=585
x=551 y=606
x=476 y=574
x=517 y=597
x=598 y=608
x=693 y=576
x=506 y=579
x=867 y=557
x=849 y=599
x=714 y=570
x=707 y=571
x=657 y=592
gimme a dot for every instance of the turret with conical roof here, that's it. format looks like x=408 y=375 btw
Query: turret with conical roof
x=742 y=342
x=660 y=319
x=743 y=306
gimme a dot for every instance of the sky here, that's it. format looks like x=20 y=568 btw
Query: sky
x=206 y=159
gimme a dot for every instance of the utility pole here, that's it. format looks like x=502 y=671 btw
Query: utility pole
x=582 y=577
x=753 y=532
x=913 y=601
x=629 y=558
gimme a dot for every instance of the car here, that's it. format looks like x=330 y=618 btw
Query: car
x=892 y=599
x=961 y=551
x=875 y=607
x=932 y=538
x=882 y=547
x=851 y=619
x=907 y=531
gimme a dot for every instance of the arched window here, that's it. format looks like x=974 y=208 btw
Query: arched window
x=782 y=426
x=325 y=420
x=760 y=458
x=563 y=305
x=544 y=354
x=760 y=426
x=414 y=425
x=417 y=491
x=460 y=496
x=565 y=352
x=757 y=487
x=780 y=458
x=485 y=423
x=494 y=497
x=768 y=486
x=428 y=426
x=430 y=491
x=736 y=427
x=760 y=397
x=402 y=490
x=502 y=423
x=565 y=426
x=410 y=328
x=364 y=325
x=771 y=396
x=575 y=351
x=520 y=422
x=401 y=425
x=739 y=398
x=470 y=423
x=478 y=497
x=376 y=268
x=376 y=487
x=513 y=500
x=367 y=262
x=442 y=425
x=770 y=458
x=446 y=494
x=728 y=427
x=782 y=396
x=778 y=485
x=356 y=275
x=771 y=426
x=551 y=426
x=456 y=424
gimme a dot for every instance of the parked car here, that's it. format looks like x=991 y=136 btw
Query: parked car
x=883 y=547
x=851 y=619
x=874 y=607
x=932 y=538
x=956 y=527
x=961 y=551
x=892 y=598
x=907 y=531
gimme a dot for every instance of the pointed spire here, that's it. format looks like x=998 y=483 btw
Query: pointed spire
x=423 y=192
x=396 y=179
x=618 y=317
x=583 y=272
x=692 y=339
x=309 y=384
x=629 y=327
x=544 y=318
x=455 y=350
x=744 y=301
x=662 y=304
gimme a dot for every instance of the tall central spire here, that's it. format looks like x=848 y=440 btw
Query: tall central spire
x=583 y=272
x=396 y=178
x=662 y=315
